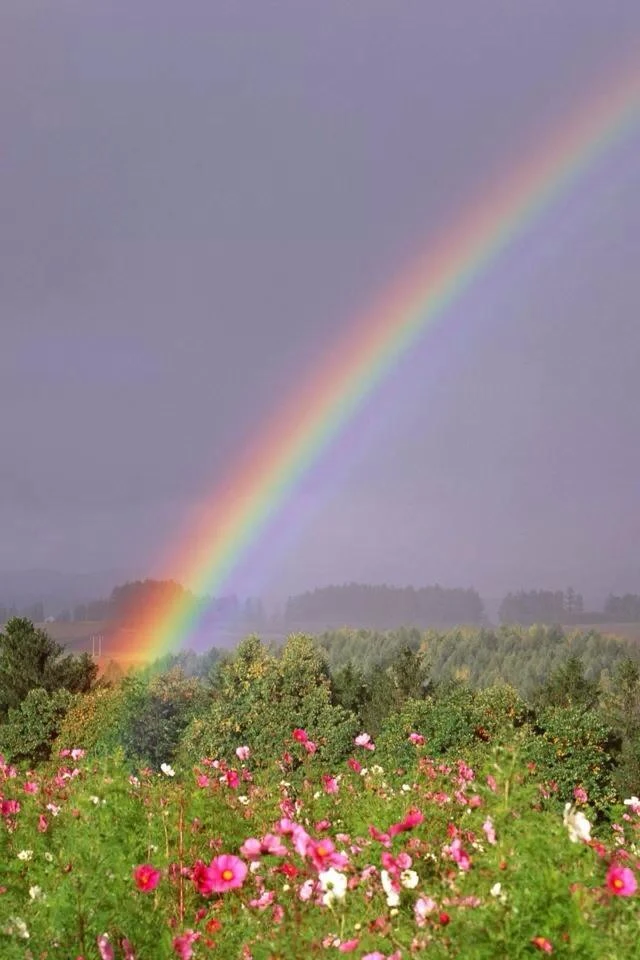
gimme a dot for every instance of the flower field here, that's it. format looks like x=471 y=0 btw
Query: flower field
x=293 y=860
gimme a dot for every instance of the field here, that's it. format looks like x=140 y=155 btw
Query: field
x=297 y=860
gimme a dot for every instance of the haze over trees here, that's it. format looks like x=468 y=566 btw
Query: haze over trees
x=383 y=606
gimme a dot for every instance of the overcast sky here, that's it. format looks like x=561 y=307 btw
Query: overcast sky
x=196 y=197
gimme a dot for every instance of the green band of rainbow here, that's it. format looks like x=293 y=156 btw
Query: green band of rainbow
x=267 y=474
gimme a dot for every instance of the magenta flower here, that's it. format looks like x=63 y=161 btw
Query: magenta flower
x=228 y=872
x=203 y=878
x=182 y=944
x=621 y=881
x=146 y=877
x=31 y=787
x=417 y=739
x=330 y=784
x=105 y=947
x=323 y=854
x=300 y=735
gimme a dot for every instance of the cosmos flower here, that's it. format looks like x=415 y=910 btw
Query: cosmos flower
x=146 y=877
x=334 y=885
x=621 y=881
x=576 y=823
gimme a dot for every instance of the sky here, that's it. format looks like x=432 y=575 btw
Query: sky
x=196 y=200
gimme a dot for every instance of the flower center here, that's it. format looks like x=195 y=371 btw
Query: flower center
x=227 y=874
x=618 y=884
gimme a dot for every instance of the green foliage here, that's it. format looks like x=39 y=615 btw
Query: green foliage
x=568 y=686
x=573 y=746
x=260 y=698
x=31 y=728
x=94 y=721
x=30 y=659
x=621 y=708
x=155 y=714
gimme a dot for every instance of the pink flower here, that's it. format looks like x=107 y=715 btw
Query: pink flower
x=489 y=830
x=182 y=944
x=621 y=881
x=323 y=854
x=43 y=824
x=355 y=766
x=417 y=739
x=253 y=849
x=263 y=901
x=243 y=753
x=347 y=946
x=491 y=783
x=330 y=784
x=202 y=877
x=364 y=740
x=105 y=949
x=580 y=795
x=228 y=872
x=310 y=746
x=422 y=908
x=412 y=819
x=77 y=753
x=146 y=877
x=306 y=890
x=232 y=778
x=542 y=944
x=202 y=780
x=127 y=949
x=300 y=735
x=460 y=856
x=31 y=787
x=376 y=955
x=9 y=807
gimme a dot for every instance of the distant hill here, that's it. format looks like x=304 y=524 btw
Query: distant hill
x=56 y=590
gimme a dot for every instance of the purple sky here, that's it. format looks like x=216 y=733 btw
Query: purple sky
x=196 y=197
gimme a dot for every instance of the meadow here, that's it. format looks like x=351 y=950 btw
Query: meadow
x=299 y=860
x=252 y=813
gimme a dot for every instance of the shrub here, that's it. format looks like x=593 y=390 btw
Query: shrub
x=31 y=728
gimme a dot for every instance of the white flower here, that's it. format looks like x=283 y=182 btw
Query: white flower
x=244 y=800
x=95 y=800
x=576 y=823
x=496 y=891
x=334 y=885
x=405 y=788
x=48 y=857
x=393 y=897
x=25 y=855
x=377 y=770
x=36 y=893
x=409 y=879
x=19 y=927
x=634 y=803
x=167 y=769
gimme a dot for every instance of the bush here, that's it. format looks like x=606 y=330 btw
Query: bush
x=260 y=698
x=32 y=727
x=573 y=747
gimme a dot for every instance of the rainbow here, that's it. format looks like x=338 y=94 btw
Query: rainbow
x=312 y=416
